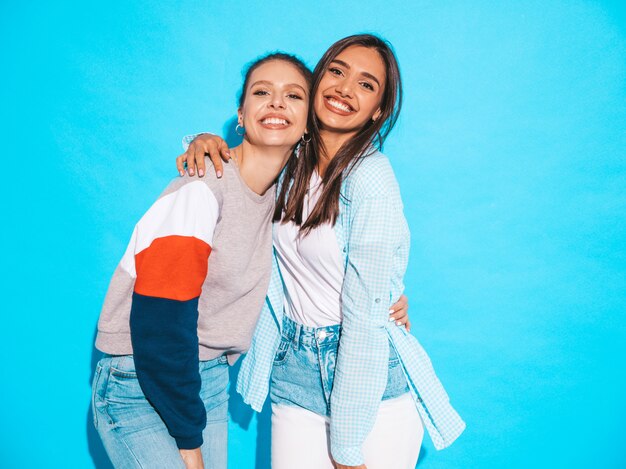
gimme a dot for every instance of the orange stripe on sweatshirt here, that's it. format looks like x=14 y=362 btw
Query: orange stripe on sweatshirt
x=173 y=267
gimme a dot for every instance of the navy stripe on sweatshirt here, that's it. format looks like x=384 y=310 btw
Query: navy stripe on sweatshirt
x=165 y=347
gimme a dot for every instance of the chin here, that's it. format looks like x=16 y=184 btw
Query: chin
x=339 y=127
x=278 y=142
x=332 y=122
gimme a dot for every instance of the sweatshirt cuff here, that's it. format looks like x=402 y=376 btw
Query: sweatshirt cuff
x=347 y=455
x=191 y=442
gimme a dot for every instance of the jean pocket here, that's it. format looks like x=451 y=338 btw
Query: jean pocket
x=123 y=386
x=394 y=359
x=214 y=381
x=123 y=368
x=283 y=351
x=126 y=406
x=396 y=381
x=394 y=362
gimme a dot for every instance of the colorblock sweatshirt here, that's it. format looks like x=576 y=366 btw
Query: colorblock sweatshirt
x=189 y=287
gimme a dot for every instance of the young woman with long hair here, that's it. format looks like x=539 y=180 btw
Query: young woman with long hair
x=169 y=327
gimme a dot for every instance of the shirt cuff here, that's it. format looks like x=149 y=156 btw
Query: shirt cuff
x=191 y=442
x=347 y=455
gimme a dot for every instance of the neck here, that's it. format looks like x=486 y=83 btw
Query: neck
x=332 y=142
x=259 y=166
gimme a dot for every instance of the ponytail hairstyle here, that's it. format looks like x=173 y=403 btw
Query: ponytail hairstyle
x=368 y=139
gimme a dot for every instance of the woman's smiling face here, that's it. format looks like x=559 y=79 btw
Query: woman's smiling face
x=275 y=105
x=351 y=89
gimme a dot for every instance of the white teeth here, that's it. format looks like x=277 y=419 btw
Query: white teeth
x=274 y=121
x=338 y=105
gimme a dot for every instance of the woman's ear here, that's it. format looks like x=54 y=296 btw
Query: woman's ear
x=376 y=115
x=240 y=117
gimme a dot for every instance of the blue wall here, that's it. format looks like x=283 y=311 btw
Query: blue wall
x=511 y=156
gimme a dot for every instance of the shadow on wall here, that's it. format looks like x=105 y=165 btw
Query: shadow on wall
x=96 y=449
x=241 y=414
x=229 y=134
x=422 y=456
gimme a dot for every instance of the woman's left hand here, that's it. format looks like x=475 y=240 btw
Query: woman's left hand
x=399 y=313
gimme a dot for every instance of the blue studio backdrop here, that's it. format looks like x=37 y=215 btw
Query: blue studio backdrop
x=511 y=157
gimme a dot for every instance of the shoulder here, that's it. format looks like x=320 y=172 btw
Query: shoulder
x=372 y=175
x=194 y=186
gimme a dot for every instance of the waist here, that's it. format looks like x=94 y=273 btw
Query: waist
x=308 y=335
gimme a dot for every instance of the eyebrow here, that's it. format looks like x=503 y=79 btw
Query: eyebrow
x=269 y=83
x=365 y=74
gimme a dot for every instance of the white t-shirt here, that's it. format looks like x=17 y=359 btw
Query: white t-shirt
x=311 y=267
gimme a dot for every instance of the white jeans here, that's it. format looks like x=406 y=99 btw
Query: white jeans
x=300 y=438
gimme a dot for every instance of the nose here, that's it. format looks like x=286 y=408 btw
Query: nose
x=277 y=101
x=344 y=88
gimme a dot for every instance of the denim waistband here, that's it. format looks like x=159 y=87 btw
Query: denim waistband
x=300 y=334
x=304 y=367
x=117 y=360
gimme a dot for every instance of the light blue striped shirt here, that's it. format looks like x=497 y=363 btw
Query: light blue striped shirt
x=373 y=236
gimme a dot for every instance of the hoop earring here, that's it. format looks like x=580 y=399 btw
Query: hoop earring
x=304 y=140
x=239 y=128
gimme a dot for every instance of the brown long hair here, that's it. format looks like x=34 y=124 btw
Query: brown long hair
x=368 y=139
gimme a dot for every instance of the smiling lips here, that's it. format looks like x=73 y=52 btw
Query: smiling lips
x=338 y=106
x=274 y=121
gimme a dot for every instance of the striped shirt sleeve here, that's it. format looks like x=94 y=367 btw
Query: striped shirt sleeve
x=168 y=257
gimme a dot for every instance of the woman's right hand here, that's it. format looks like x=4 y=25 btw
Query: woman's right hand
x=203 y=144
x=192 y=458
x=399 y=313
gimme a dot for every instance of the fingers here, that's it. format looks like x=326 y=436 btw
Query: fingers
x=210 y=145
x=399 y=315
x=204 y=144
x=218 y=153
x=180 y=164
x=213 y=146
x=195 y=160
x=224 y=150
x=215 y=155
x=401 y=318
x=191 y=158
x=213 y=149
x=199 y=157
x=402 y=302
x=399 y=311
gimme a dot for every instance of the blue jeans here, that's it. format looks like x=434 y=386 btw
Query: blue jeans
x=304 y=368
x=132 y=432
